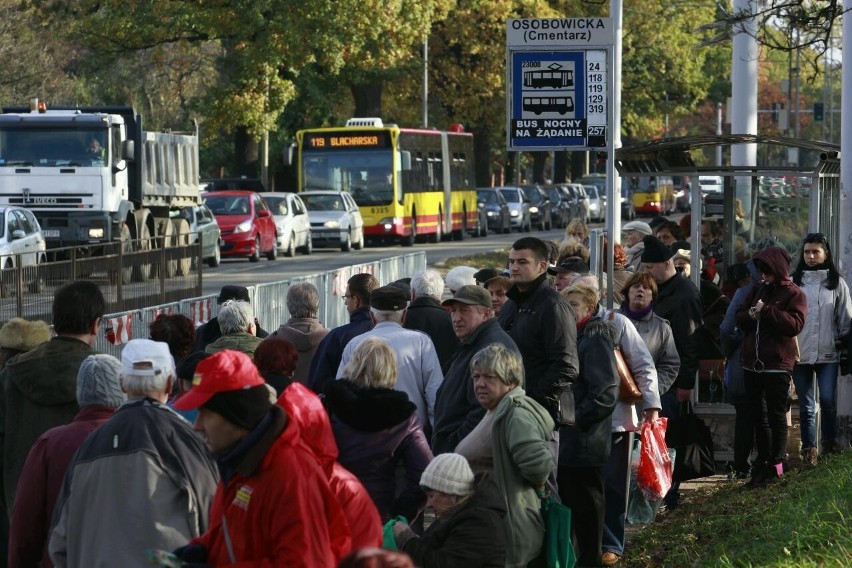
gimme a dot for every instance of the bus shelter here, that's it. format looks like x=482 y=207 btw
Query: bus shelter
x=756 y=206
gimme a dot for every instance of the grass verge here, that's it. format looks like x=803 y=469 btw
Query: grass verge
x=496 y=259
x=802 y=520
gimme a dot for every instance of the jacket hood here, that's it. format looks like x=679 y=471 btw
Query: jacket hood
x=597 y=326
x=305 y=408
x=47 y=375
x=776 y=259
x=368 y=409
x=305 y=333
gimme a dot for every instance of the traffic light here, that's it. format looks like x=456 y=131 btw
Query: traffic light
x=818 y=112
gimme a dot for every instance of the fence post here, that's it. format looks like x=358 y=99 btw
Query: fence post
x=19 y=285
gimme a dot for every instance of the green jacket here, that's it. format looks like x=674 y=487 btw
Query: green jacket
x=522 y=462
x=237 y=341
x=38 y=391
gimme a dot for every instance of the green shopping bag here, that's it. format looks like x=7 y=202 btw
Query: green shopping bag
x=558 y=548
x=389 y=541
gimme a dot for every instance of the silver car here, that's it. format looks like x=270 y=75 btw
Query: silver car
x=519 y=207
x=291 y=218
x=21 y=240
x=205 y=228
x=335 y=219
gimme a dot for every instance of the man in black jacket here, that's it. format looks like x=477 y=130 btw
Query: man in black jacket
x=457 y=410
x=425 y=313
x=541 y=323
x=330 y=350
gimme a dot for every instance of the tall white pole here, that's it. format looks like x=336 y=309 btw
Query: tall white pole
x=613 y=210
x=426 y=81
x=744 y=93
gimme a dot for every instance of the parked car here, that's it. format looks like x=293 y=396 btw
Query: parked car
x=597 y=202
x=247 y=225
x=494 y=207
x=205 y=229
x=541 y=209
x=584 y=206
x=21 y=239
x=519 y=207
x=291 y=219
x=335 y=219
x=563 y=204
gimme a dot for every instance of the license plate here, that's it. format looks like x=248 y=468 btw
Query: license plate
x=50 y=233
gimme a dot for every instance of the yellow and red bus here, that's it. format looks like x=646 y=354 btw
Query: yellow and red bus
x=408 y=183
x=654 y=195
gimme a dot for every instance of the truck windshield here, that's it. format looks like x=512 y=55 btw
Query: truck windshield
x=51 y=147
x=367 y=175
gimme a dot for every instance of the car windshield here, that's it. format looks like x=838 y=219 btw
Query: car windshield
x=511 y=195
x=228 y=204
x=592 y=191
x=278 y=205
x=79 y=146
x=322 y=202
x=486 y=196
x=533 y=194
x=554 y=194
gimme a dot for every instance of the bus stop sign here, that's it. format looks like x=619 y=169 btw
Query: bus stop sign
x=558 y=80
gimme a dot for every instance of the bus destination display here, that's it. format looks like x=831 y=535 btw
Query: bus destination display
x=346 y=140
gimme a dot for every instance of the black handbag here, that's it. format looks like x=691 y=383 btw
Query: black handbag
x=693 y=442
x=565 y=415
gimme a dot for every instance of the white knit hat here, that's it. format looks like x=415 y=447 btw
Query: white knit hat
x=448 y=473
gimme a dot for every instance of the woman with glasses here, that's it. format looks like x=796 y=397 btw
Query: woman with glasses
x=828 y=319
x=770 y=317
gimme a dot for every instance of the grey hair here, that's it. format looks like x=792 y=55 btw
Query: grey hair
x=428 y=283
x=148 y=384
x=372 y=364
x=303 y=300
x=589 y=280
x=235 y=315
x=387 y=315
x=502 y=361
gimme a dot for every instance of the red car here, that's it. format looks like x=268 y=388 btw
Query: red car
x=248 y=227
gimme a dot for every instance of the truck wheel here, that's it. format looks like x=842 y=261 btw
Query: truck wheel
x=125 y=271
x=181 y=239
x=142 y=268
x=166 y=239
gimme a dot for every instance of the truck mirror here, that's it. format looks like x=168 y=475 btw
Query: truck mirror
x=405 y=158
x=128 y=151
x=119 y=166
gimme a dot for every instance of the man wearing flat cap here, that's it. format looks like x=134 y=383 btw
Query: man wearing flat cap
x=420 y=373
x=457 y=410
x=273 y=506
x=679 y=302
x=142 y=480
x=567 y=271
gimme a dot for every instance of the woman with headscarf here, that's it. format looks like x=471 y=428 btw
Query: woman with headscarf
x=828 y=319
x=771 y=317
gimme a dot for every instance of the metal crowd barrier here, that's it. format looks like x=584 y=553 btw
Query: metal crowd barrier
x=268 y=300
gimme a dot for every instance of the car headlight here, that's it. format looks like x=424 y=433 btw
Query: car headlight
x=514 y=213
x=96 y=232
x=243 y=227
x=533 y=209
x=332 y=224
x=491 y=213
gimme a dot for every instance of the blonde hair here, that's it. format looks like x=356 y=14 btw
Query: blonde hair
x=373 y=364
x=577 y=224
x=589 y=295
x=572 y=247
x=502 y=361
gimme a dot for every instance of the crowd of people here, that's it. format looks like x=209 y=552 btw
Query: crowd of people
x=424 y=432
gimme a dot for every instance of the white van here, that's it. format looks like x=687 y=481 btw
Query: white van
x=710 y=184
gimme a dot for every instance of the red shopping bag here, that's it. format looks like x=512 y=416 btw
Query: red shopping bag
x=654 y=476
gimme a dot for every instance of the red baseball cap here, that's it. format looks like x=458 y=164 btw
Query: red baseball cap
x=224 y=371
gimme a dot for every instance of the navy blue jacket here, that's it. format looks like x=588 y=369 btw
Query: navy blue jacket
x=330 y=350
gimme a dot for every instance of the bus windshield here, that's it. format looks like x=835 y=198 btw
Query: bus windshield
x=51 y=147
x=366 y=175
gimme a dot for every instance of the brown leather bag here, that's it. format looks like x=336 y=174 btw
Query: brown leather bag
x=627 y=390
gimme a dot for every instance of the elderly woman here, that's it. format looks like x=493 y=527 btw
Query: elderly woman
x=511 y=442
x=377 y=430
x=468 y=519
x=584 y=448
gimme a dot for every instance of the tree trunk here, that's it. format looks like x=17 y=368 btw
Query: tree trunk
x=246 y=152
x=560 y=167
x=539 y=163
x=482 y=154
x=368 y=99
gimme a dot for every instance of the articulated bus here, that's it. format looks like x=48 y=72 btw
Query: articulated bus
x=554 y=78
x=654 y=195
x=408 y=183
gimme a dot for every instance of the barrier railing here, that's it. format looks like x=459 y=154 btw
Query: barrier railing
x=269 y=301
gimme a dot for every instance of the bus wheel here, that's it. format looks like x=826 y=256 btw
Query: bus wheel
x=438 y=235
x=460 y=234
x=409 y=240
